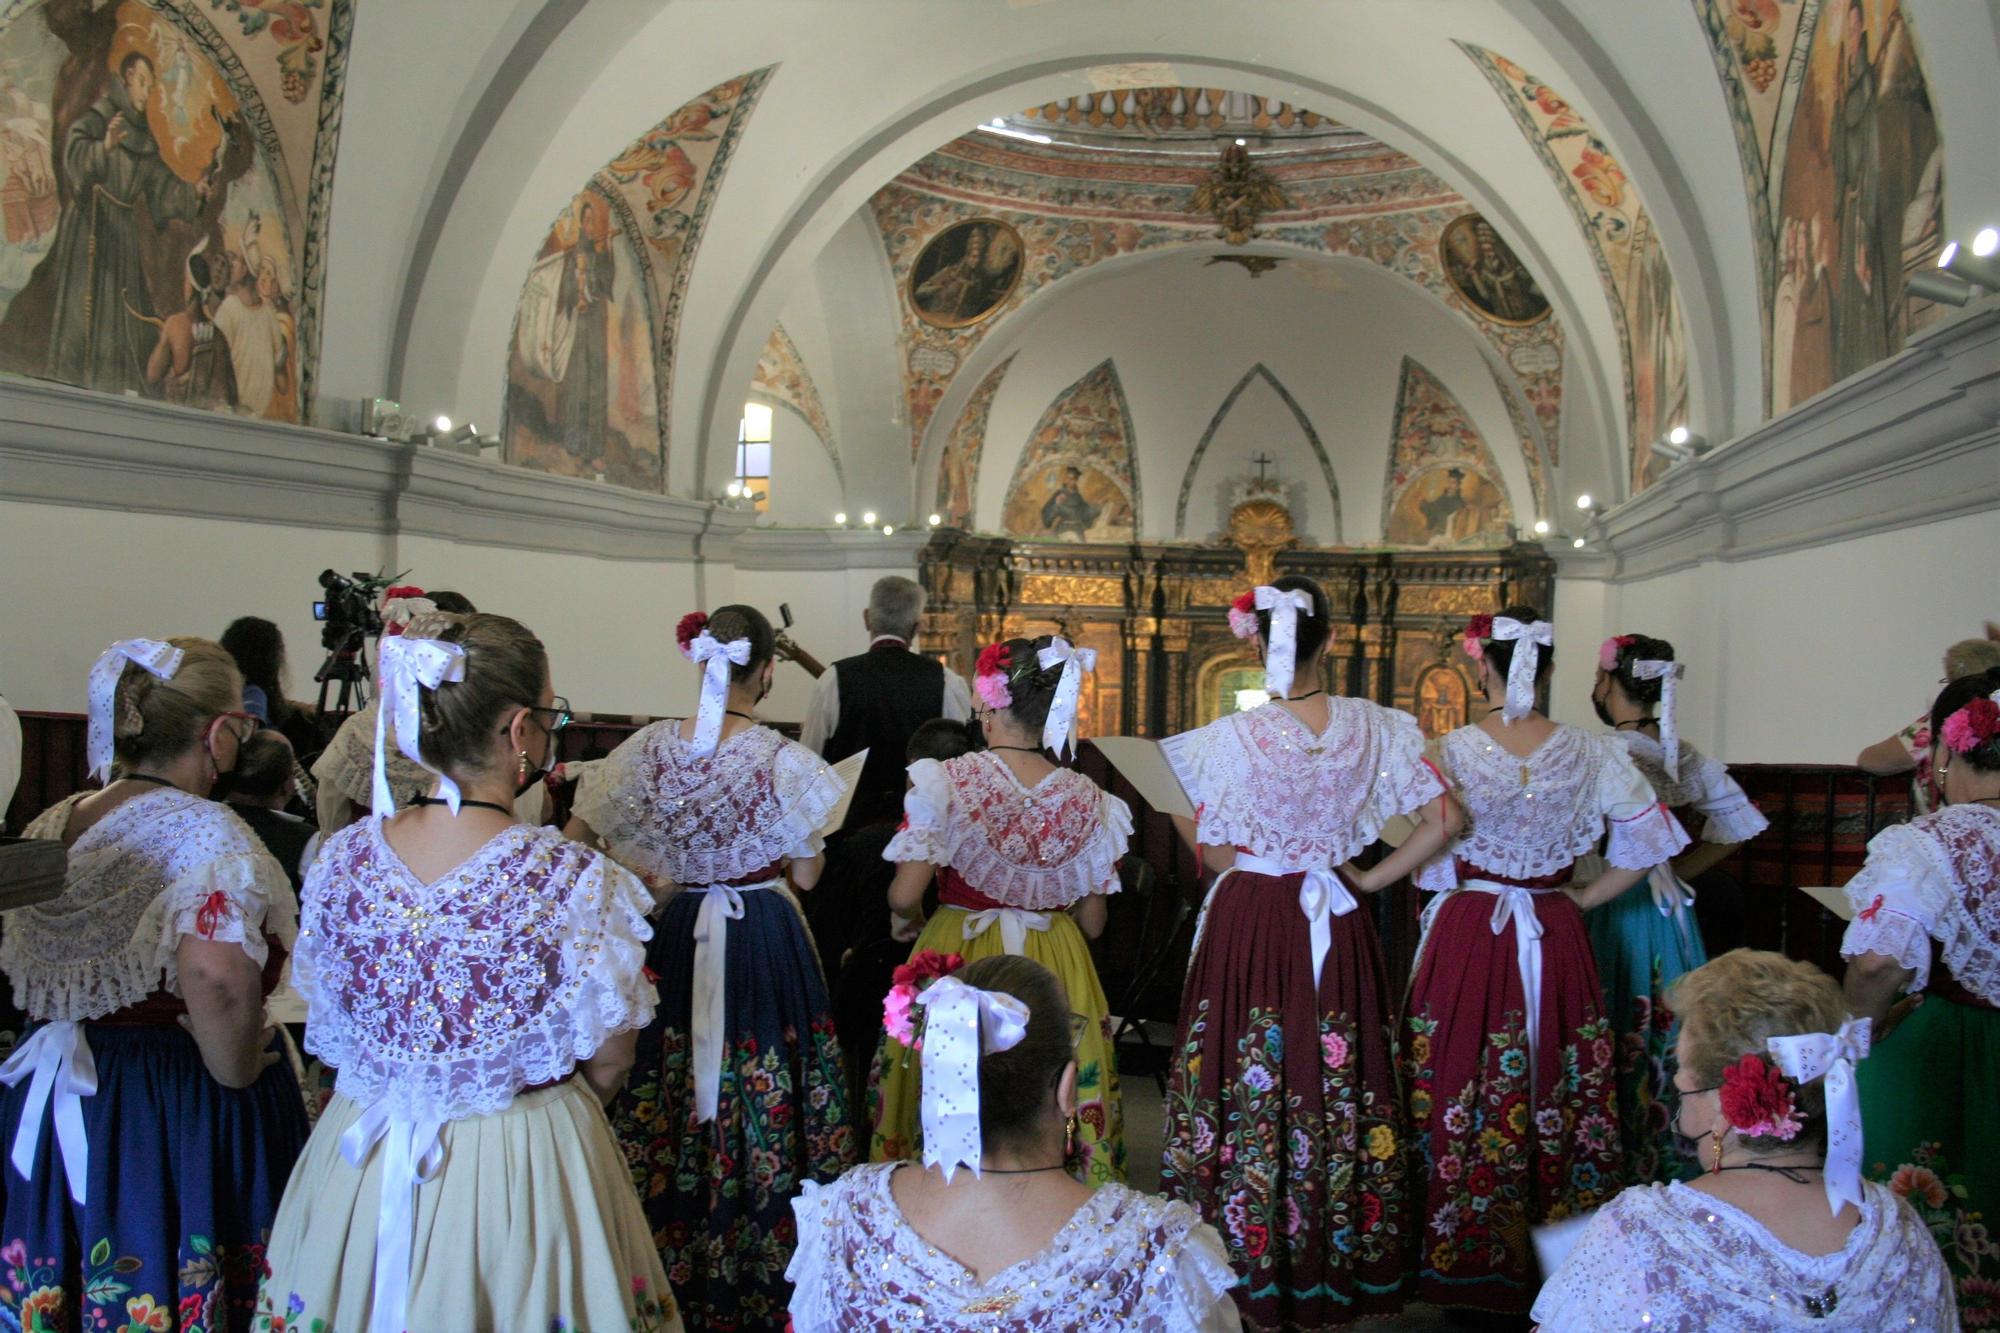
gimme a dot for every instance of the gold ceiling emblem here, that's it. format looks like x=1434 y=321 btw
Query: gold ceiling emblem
x=1237 y=193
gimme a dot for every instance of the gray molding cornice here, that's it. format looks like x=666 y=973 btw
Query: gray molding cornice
x=1913 y=439
x=812 y=549
x=66 y=446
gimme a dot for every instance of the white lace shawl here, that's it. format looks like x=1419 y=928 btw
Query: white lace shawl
x=679 y=818
x=1038 y=848
x=1704 y=784
x=446 y=999
x=1263 y=780
x=162 y=865
x=347 y=765
x=1125 y=1263
x=1934 y=878
x=1669 y=1259
x=1529 y=818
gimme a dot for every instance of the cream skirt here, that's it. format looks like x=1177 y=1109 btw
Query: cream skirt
x=531 y=1223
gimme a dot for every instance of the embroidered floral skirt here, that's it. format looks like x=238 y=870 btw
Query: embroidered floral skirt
x=1927 y=1095
x=718 y=1194
x=1496 y=1152
x=895 y=1083
x=1639 y=954
x=1283 y=1123
x=529 y=1224
x=185 y=1176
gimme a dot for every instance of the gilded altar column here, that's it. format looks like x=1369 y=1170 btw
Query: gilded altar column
x=1140 y=635
x=1173 y=712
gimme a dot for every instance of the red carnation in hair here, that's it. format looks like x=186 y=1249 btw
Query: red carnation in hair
x=995 y=659
x=1479 y=627
x=402 y=590
x=1757 y=1099
x=1245 y=601
x=692 y=624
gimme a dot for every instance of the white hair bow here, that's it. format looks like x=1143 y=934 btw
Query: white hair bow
x=1060 y=728
x=1529 y=638
x=1669 y=675
x=407 y=664
x=963 y=1023
x=715 y=658
x=1832 y=1056
x=162 y=659
x=1281 y=652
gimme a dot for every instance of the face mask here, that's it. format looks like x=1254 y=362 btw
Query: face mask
x=975 y=732
x=1603 y=713
x=548 y=766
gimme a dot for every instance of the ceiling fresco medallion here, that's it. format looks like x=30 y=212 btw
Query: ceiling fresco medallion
x=966 y=272
x=1486 y=272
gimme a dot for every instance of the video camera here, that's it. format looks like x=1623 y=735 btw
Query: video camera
x=350 y=611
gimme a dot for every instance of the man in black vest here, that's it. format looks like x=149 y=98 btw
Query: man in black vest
x=875 y=700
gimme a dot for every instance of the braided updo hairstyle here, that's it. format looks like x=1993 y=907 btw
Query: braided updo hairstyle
x=1963 y=692
x=726 y=624
x=1500 y=652
x=1014 y=1084
x=1313 y=630
x=505 y=667
x=1642 y=648
x=1032 y=686
x=153 y=721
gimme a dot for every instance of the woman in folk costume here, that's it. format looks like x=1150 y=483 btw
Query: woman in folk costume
x=1284 y=1126
x=478 y=985
x=1012 y=1243
x=148 y=1119
x=1927 y=921
x=739 y=1095
x=1507 y=1053
x=1647 y=936
x=1024 y=853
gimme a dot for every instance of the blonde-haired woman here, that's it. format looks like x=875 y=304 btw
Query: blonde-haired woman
x=1780 y=1231
x=148 y=1120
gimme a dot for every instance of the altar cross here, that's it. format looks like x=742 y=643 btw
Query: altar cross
x=1262 y=461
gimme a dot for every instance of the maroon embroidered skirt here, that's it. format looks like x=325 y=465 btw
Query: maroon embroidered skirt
x=1492 y=1157
x=1283 y=1123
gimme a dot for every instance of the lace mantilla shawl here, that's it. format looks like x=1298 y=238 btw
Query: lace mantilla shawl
x=1669 y=1259
x=1704 y=785
x=1528 y=818
x=1934 y=878
x=162 y=865
x=679 y=818
x=1126 y=1262
x=444 y=1000
x=1263 y=779
x=348 y=763
x=1038 y=848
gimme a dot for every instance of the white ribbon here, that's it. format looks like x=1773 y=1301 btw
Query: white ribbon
x=1282 y=649
x=1669 y=675
x=1672 y=895
x=162 y=659
x=408 y=663
x=1060 y=729
x=716 y=659
x=1516 y=904
x=962 y=1023
x=720 y=905
x=1529 y=639
x=415 y=1154
x=64 y=1072
x=1014 y=923
x=1832 y=1056
x=1322 y=897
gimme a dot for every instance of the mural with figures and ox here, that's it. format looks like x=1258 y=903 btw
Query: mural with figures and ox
x=165 y=175
x=1443 y=488
x=1077 y=478
x=958 y=469
x=590 y=369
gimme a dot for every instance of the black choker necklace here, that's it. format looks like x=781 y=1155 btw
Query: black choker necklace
x=477 y=805
x=1790 y=1173
x=1635 y=723
x=731 y=712
x=145 y=777
x=1295 y=698
x=1020 y=1170
x=1023 y=749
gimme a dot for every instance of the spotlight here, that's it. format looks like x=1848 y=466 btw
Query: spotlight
x=1944 y=288
x=936 y=519
x=465 y=433
x=888 y=529
x=734 y=490
x=442 y=425
x=1986 y=242
x=1971 y=265
x=1240 y=143
x=1577 y=543
x=1541 y=527
x=868 y=518
x=840 y=519
x=1585 y=502
x=1679 y=435
x=1680 y=445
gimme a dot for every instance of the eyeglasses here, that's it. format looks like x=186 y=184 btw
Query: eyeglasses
x=1677 y=1094
x=558 y=716
x=244 y=726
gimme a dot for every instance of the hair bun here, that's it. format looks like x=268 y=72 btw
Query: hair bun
x=128 y=719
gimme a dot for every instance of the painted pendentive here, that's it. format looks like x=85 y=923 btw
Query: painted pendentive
x=1077 y=478
x=1443 y=489
x=590 y=370
x=782 y=374
x=958 y=471
x=166 y=173
x=1652 y=338
x=1844 y=165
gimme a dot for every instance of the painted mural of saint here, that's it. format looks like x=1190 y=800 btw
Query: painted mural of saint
x=1067 y=512
x=104 y=325
x=1870 y=269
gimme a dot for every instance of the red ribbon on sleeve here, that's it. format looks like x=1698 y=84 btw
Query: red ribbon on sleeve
x=1872 y=911
x=212 y=914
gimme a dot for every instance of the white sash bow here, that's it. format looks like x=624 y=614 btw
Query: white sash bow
x=100 y=743
x=58 y=1056
x=1672 y=895
x=1060 y=728
x=1832 y=1056
x=415 y=1154
x=1014 y=923
x=1517 y=904
x=715 y=658
x=1322 y=896
x=961 y=1023
x=720 y=905
x=1669 y=675
x=1529 y=639
x=408 y=663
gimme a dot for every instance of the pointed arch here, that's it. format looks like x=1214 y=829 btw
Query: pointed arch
x=1215 y=423
x=1087 y=431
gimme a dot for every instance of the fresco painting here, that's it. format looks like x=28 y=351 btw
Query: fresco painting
x=958 y=469
x=1443 y=489
x=781 y=372
x=1075 y=480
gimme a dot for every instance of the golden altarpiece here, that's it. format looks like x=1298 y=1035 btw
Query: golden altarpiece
x=1157 y=615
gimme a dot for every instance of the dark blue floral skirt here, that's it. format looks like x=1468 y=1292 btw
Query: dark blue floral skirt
x=718 y=1194
x=185 y=1177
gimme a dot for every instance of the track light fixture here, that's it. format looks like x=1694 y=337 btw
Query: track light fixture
x=1969 y=264
x=1944 y=288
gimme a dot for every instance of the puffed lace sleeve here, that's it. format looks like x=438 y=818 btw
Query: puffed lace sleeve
x=1202 y=1280
x=1643 y=832
x=606 y=945
x=232 y=894
x=926 y=807
x=1407 y=780
x=612 y=793
x=810 y=1273
x=1900 y=898
x=1601 y=1285
x=1728 y=814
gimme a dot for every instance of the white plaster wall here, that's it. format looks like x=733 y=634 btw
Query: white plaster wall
x=1259 y=424
x=1182 y=333
x=805 y=490
x=1803 y=657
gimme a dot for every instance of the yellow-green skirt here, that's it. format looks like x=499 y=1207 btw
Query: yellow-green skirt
x=894 y=1084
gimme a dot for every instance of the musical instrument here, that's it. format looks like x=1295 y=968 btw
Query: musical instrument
x=786 y=650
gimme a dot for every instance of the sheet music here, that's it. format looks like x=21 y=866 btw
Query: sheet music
x=849 y=771
x=1143 y=763
x=1833 y=900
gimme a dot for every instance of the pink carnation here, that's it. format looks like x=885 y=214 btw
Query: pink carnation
x=1607 y=652
x=1972 y=726
x=896 y=1014
x=993 y=691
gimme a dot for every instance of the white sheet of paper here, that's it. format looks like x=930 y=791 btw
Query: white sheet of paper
x=849 y=771
x=1833 y=900
x=1143 y=763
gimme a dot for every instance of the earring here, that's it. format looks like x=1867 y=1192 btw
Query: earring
x=1069 y=1138
x=1715 y=1161
x=524 y=763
